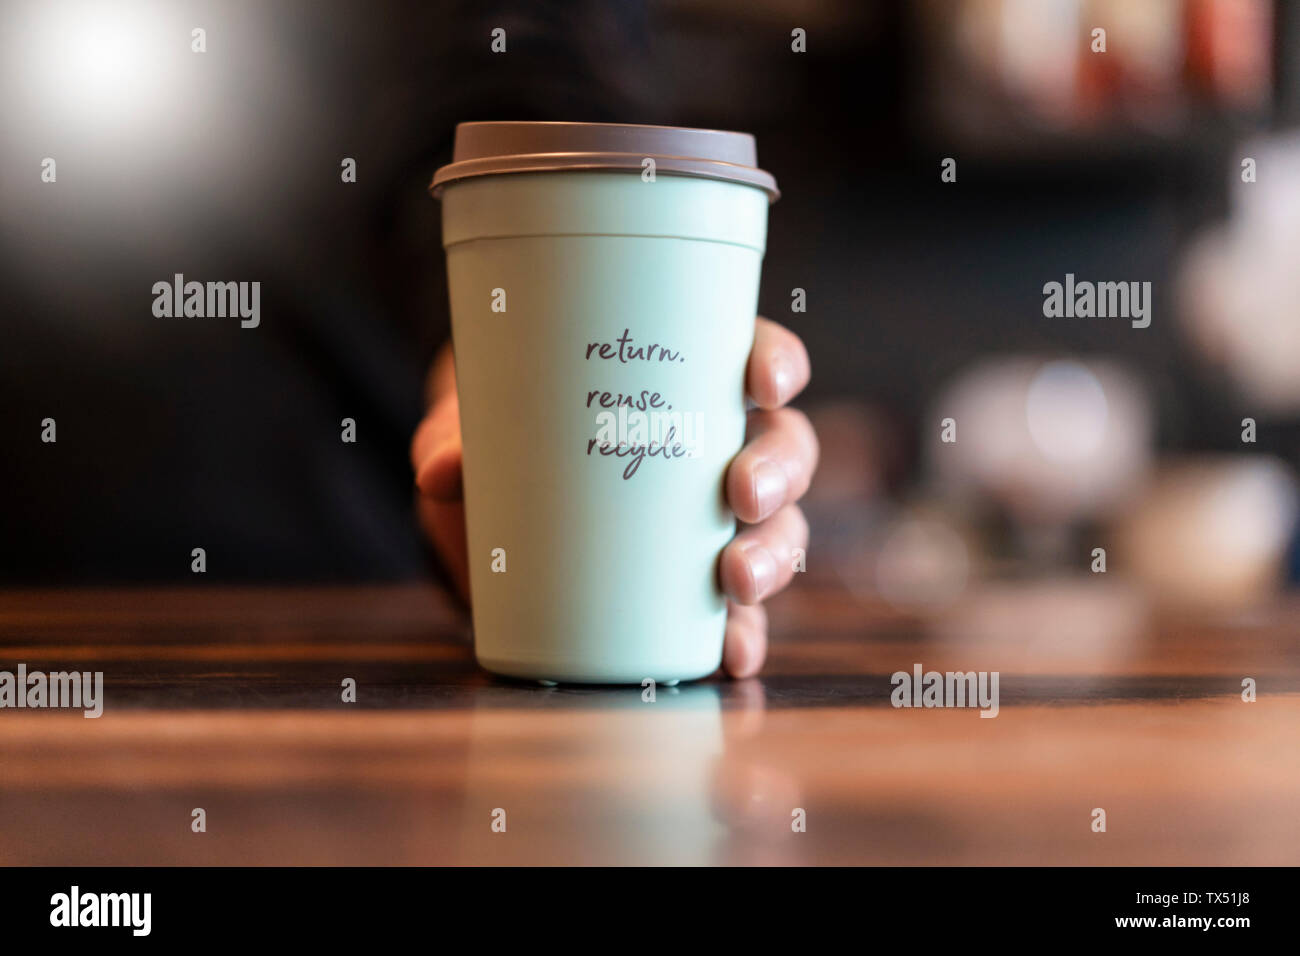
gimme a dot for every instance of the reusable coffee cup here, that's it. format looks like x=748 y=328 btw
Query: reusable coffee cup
x=603 y=281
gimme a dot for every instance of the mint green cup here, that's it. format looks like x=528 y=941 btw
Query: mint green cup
x=601 y=323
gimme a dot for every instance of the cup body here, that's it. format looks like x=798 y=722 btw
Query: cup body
x=601 y=327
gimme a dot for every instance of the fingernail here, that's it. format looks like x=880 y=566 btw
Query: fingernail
x=782 y=378
x=770 y=487
x=762 y=569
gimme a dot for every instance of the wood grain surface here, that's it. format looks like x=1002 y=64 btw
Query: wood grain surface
x=229 y=699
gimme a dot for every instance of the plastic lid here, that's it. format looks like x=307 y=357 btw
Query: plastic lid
x=486 y=149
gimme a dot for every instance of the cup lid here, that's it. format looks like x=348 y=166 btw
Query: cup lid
x=485 y=149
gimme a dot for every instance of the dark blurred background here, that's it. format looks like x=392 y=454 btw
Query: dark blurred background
x=924 y=297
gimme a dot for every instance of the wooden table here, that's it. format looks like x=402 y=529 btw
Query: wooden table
x=230 y=700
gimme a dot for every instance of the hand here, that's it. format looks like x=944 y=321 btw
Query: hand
x=764 y=482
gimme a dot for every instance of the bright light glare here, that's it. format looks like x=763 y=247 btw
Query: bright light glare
x=104 y=60
x=1066 y=411
x=96 y=66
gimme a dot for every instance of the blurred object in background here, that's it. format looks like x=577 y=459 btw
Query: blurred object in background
x=1007 y=68
x=1090 y=622
x=1229 y=51
x=861 y=455
x=918 y=557
x=861 y=458
x=1048 y=443
x=923 y=561
x=1240 y=281
x=1212 y=532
